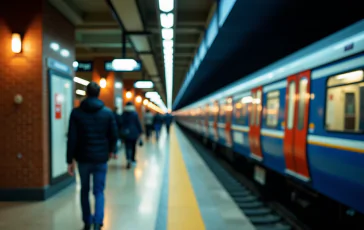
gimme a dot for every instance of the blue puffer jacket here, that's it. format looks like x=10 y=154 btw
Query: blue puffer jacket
x=92 y=132
x=130 y=123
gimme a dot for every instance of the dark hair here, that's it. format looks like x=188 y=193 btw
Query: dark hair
x=129 y=103
x=147 y=110
x=93 y=89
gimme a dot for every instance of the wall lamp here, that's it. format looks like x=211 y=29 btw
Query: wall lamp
x=138 y=99
x=103 y=82
x=128 y=94
x=16 y=43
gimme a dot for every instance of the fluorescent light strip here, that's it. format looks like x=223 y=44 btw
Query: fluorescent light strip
x=81 y=81
x=166 y=5
x=143 y=84
x=81 y=92
x=167 y=20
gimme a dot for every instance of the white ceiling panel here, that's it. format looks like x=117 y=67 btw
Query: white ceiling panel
x=129 y=14
x=149 y=64
x=141 y=43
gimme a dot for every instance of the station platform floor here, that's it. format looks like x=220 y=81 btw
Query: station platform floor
x=170 y=188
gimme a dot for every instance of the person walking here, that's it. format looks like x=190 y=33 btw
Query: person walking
x=148 y=122
x=157 y=122
x=131 y=131
x=117 y=117
x=168 y=118
x=92 y=138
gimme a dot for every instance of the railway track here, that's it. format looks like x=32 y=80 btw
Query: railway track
x=263 y=214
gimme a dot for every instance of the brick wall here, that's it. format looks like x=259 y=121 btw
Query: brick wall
x=21 y=125
x=24 y=128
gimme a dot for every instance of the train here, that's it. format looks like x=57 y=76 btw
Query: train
x=300 y=118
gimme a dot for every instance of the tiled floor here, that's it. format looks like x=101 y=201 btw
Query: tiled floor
x=133 y=196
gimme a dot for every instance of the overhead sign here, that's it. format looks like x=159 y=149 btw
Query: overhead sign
x=56 y=65
x=123 y=65
x=83 y=66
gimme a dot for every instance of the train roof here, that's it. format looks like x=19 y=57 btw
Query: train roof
x=344 y=43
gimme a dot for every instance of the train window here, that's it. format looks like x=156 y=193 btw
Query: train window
x=272 y=108
x=302 y=102
x=345 y=102
x=346 y=78
x=216 y=112
x=222 y=112
x=291 y=104
x=229 y=109
x=241 y=109
x=258 y=107
x=253 y=111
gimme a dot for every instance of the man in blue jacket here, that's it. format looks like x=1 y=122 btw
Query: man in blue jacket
x=131 y=130
x=92 y=138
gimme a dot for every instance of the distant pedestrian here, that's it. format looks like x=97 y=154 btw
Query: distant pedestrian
x=168 y=118
x=148 y=123
x=131 y=131
x=157 y=122
x=92 y=138
x=117 y=117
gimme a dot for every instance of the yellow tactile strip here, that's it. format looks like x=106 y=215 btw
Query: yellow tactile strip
x=183 y=210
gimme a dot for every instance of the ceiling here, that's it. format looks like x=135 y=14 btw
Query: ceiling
x=99 y=33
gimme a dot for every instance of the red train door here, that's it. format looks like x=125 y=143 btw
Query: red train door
x=255 y=120
x=229 y=113
x=296 y=124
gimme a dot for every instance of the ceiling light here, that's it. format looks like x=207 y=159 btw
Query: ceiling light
x=124 y=64
x=75 y=64
x=167 y=20
x=152 y=95
x=81 y=92
x=143 y=84
x=145 y=102
x=65 y=53
x=167 y=34
x=81 y=81
x=167 y=51
x=54 y=46
x=168 y=43
x=166 y=5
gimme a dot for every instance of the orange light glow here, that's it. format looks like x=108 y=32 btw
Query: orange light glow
x=128 y=94
x=138 y=99
x=145 y=102
x=16 y=43
x=102 y=82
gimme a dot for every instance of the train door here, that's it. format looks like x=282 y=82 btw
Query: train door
x=254 y=122
x=229 y=114
x=216 y=110
x=206 y=120
x=296 y=122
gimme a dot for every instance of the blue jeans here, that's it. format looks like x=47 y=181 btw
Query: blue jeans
x=157 y=129
x=98 y=172
x=130 y=148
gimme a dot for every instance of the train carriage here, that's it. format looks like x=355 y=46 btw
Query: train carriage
x=302 y=117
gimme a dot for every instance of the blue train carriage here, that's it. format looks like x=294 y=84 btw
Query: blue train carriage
x=302 y=117
x=336 y=139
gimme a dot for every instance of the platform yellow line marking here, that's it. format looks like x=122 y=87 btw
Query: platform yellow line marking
x=183 y=210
